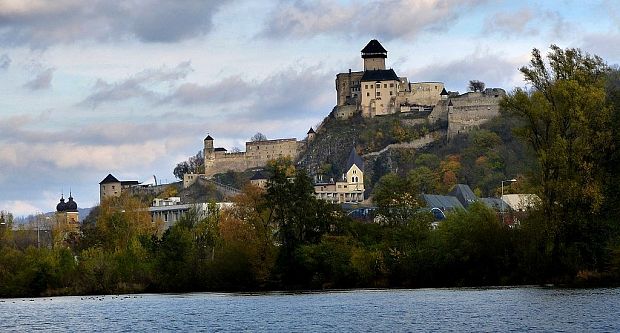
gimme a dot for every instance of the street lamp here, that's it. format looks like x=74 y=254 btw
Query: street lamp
x=502 y=197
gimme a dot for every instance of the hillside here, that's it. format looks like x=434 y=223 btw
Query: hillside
x=327 y=153
x=409 y=146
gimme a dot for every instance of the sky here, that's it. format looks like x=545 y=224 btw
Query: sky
x=91 y=87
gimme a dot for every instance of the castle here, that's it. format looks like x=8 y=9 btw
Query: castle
x=377 y=91
x=374 y=91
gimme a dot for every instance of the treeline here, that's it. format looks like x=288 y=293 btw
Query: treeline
x=284 y=238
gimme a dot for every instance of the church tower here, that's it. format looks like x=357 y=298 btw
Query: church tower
x=374 y=56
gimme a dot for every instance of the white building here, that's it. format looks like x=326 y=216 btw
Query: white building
x=170 y=210
x=348 y=190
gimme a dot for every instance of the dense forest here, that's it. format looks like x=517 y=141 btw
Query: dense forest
x=567 y=123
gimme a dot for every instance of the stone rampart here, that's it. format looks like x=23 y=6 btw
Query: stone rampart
x=470 y=114
x=257 y=154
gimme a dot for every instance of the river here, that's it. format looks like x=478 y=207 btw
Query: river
x=463 y=309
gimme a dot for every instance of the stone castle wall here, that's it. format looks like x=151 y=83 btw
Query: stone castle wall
x=420 y=93
x=471 y=110
x=257 y=154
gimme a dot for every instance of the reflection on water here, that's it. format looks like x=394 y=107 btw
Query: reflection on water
x=499 y=309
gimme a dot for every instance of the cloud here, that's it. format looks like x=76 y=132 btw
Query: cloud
x=226 y=90
x=42 y=81
x=285 y=93
x=142 y=85
x=5 y=62
x=526 y=22
x=386 y=20
x=604 y=45
x=492 y=69
x=40 y=23
x=511 y=23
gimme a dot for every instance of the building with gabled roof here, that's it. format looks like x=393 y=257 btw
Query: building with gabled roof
x=349 y=189
x=464 y=194
x=110 y=186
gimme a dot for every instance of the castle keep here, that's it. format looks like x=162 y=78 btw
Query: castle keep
x=377 y=91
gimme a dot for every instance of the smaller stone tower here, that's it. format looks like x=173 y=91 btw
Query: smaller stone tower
x=311 y=134
x=444 y=94
x=374 y=56
x=209 y=152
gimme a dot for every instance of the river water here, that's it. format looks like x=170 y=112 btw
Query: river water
x=515 y=309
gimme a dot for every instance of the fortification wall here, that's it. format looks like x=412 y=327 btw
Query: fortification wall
x=220 y=165
x=439 y=113
x=470 y=113
x=345 y=111
x=422 y=93
x=257 y=154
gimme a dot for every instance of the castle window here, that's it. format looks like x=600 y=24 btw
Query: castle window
x=391 y=85
x=112 y=186
x=391 y=93
x=367 y=94
x=366 y=86
x=378 y=93
x=385 y=85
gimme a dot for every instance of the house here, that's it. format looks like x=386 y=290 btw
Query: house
x=521 y=202
x=350 y=189
x=170 y=210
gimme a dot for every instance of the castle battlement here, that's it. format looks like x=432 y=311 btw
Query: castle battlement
x=256 y=154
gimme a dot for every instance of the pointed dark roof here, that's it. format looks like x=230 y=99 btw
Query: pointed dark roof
x=374 y=49
x=311 y=131
x=443 y=92
x=109 y=179
x=354 y=158
x=209 y=138
x=379 y=75
x=443 y=202
x=450 y=103
x=464 y=193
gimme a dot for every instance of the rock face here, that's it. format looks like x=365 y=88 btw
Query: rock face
x=326 y=155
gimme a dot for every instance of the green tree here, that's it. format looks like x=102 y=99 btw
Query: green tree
x=567 y=123
x=300 y=218
x=397 y=199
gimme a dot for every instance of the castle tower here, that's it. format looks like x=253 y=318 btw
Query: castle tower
x=374 y=56
x=209 y=152
x=311 y=134
x=444 y=94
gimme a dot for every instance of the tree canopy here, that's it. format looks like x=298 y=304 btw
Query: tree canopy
x=567 y=121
